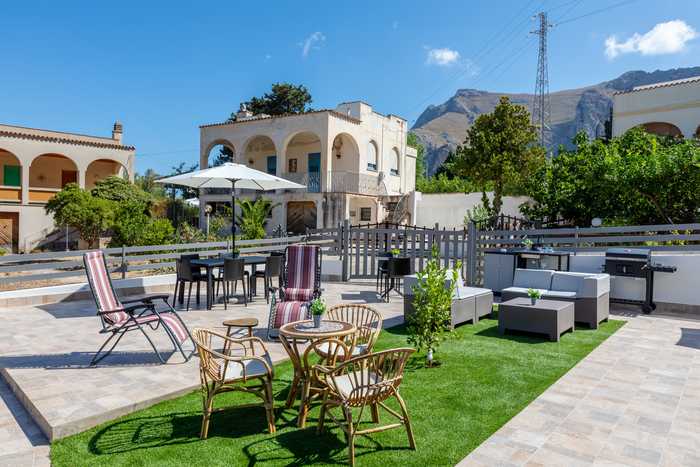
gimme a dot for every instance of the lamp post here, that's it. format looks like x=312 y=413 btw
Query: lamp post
x=207 y=211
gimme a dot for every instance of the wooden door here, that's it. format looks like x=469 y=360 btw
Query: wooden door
x=68 y=176
x=300 y=216
x=9 y=231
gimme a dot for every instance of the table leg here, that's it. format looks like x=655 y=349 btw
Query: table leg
x=210 y=288
x=254 y=282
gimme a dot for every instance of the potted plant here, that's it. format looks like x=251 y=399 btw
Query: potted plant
x=534 y=295
x=395 y=252
x=318 y=308
x=527 y=243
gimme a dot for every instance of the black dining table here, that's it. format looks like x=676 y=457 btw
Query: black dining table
x=211 y=263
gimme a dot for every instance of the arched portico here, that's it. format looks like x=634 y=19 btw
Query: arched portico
x=303 y=160
x=48 y=173
x=213 y=149
x=102 y=168
x=260 y=153
x=11 y=181
x=662 y=129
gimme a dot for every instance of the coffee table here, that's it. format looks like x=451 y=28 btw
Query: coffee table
x=551 y=317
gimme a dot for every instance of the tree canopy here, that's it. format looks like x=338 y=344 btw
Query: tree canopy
x=637 y=178
x=284 y=98
x=499 y=150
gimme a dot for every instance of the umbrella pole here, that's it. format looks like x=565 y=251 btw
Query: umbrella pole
x=233 y=217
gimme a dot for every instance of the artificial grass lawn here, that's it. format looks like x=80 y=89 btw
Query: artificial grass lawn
x=484 y=380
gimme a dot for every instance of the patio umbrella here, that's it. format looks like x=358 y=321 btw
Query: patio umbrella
x=230 y=175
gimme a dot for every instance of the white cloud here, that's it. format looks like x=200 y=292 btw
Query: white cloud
x=442 y=57
x=664 y=38
x=313 y=42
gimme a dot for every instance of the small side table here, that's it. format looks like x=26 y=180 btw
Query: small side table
x=248 y=323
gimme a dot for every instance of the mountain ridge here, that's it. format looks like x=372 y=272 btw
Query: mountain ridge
x=441 y=128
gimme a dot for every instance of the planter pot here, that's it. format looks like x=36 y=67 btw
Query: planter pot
x=317 y=320
x=533 y=301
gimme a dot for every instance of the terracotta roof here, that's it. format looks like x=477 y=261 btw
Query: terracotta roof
x=665 y=84
x=58 y=137
x=334 y=113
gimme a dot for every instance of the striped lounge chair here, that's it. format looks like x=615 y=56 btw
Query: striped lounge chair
x=121 y=316
x=301 y=283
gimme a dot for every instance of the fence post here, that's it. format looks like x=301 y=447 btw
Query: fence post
x=471 y=253
x=344 y=236
x=123 y=268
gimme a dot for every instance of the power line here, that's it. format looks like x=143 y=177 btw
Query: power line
x=595 y=12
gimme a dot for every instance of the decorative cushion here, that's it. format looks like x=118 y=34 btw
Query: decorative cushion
x=298 y=295
x=253 y=368
x=288 y=312
x=301 y=266
x=568 y=281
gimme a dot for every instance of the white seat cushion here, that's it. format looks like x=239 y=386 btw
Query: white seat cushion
x=559 y=294
x=533 y=278
x=468 y=292
x=346 y=383
x=522 y=290
x=252 y=368
x=356 y=351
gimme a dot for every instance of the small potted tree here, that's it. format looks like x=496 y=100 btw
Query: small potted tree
x=318 y=308
x=432 y=303
x=534 y=295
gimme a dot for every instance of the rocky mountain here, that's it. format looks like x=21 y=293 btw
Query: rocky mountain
x=442 y=127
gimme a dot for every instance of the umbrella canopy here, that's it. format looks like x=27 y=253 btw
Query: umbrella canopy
x=230 y=175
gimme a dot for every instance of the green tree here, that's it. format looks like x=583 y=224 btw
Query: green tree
x=432 y=302
x=499 y=150
x=122 y=191
x=253 y=217
x=78 y=208
x=421 y=165
x=284 y=98
x=147 y=183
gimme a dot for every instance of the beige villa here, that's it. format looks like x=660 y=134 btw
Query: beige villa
x=671 y=108
x=355 y=164
x=35 y=164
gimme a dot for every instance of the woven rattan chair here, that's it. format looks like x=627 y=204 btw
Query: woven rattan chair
x=366 y=319
x=363 y=382
x=231 y=368
x=119 y=316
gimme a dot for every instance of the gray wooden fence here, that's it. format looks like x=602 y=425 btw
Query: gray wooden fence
x=64 y=264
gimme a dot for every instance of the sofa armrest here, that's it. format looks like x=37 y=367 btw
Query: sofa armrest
x=595 y=286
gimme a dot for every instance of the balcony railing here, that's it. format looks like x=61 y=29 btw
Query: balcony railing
x=312 y=180
x=340 y=182
x=10 y=194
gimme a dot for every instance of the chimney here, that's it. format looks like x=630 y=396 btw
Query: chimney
x=117 y=132
x=243 y=113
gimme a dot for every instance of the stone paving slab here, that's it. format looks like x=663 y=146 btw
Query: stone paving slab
x=45 y=351
x=21 y=440
x=633 y=401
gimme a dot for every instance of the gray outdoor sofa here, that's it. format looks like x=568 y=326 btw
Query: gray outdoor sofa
x=590 y=292
x=468 y=303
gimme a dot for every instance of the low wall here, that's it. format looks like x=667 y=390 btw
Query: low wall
x=679 y=288
x=449 y=209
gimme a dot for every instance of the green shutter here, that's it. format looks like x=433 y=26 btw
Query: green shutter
x=11 y=175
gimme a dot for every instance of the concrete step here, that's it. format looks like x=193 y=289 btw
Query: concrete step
x=21 y=441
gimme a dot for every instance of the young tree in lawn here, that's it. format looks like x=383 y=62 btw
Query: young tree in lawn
x=499 y=151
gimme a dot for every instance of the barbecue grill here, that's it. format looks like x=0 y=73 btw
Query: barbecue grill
x=635 y=262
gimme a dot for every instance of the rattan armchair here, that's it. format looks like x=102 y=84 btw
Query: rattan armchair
x=366 y=319
x=231 y=368
x=361 y=382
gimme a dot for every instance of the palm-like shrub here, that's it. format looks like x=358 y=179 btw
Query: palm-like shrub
x=253 y=217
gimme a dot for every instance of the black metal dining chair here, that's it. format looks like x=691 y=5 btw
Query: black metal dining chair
x=273 y=269
x=234 y=271
x=186 y=273
x=382 y=270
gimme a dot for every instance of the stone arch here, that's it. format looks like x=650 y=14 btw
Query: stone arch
x=260 y=153
x=48 y=173
x=394 y=161
x=100 y=169
x=303 y=159
x=345 y=154
x=10 y=176
x=662 y=129
x=219 y=142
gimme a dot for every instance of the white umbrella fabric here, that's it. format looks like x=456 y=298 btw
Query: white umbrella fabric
x=230 y=175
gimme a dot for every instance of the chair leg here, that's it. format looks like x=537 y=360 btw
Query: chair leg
x=197 y=292
x=189 y=295
x=270 y=405
x=304 y=407
x=175 y=293
x=292 y=393
x=350 y=435
x=375 y=413
x=406 y=421
x=206 y=417
x=322 y=415
x=245 y=293
x=225 y=296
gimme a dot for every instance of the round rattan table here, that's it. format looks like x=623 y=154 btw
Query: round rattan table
x=299 y=333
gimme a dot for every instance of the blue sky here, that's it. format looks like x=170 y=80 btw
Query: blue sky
x=163 y=68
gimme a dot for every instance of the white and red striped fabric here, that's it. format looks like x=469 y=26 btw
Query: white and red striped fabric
x=287 y=312
x=169 y=319
x=301 y=267
x=298 y=295
x=96 y=269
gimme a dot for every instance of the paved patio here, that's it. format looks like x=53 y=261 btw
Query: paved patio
x=634 y=401
x=44 y=356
